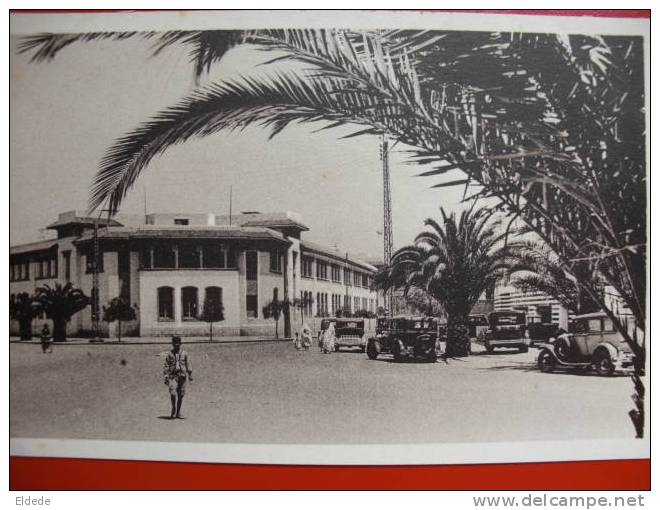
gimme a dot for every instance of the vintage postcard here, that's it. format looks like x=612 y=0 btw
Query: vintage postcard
x=327 y=237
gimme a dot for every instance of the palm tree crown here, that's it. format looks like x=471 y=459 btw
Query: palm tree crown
x=455 y=262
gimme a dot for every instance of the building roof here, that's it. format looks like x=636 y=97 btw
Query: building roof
x=83 y=220
x=187 y=232
x=336 y=254
x=32 y=247
x=271 y=220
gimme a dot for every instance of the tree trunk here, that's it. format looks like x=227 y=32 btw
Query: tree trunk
x=25 y=329
x=119 y=331
x=210 y=332
x=458 y=339
x=59 y=330
x=276 y=333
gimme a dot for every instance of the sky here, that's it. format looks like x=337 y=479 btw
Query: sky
x=64 y=114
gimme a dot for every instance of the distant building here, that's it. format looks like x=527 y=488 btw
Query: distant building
x=166 y=264
x=538 y=306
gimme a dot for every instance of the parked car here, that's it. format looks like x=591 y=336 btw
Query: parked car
x=405 y=337
x=542 y=332
x=477 y=325
x=594 y=344
x=348 y=332
x=506 y=329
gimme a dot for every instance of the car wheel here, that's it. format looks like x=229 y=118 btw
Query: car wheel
x=524 y=348
x=336 y=348
x=363 y=348
x=372 y=350
x=603 y=363
x=546 y=361
x=489 y=348
x=432 y=356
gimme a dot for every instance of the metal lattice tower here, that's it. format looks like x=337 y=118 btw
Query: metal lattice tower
x=387 y=216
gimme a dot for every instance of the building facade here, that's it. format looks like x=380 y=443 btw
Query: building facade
x=166 y=265
x=539 y=307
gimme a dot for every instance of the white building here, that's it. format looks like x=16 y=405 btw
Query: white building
x=167 y=264
x=538 y=306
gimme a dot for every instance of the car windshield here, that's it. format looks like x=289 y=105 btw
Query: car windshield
x=349 y=325
x=507 y=320
x=477 y=320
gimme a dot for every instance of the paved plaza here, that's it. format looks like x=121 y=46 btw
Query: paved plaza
x=269 y=392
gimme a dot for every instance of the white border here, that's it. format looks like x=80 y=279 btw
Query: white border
x=315 y=454
x=390 y=454
x=205 y=20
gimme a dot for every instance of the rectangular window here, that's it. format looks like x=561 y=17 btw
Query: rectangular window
x=251 y=265
x=357 y=279
x=251 y=306
x=356 y=304
x=145 y=258
x=189 y=303
x=321 y=270
x=11 y=272
x=188 y=257
x=164 y=256
x=347 y=276
x=67 y=265
x=306 y=267
x=230 y=255
x=165 y=303
x=365 y=281
x=213 y=256
x=336 y=273
x=181 y=221
x=275 y=261
x=213 y=297
x=594 y=325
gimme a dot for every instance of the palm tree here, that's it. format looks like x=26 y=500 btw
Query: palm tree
x=60 y=303
x=23 y=308
x=455 y=261
x=550 y=125
x=274 y=309
x=535 y=268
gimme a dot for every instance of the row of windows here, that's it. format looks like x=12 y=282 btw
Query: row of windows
x=45 y=268
x=187 y=256
x=19 y=272
x=341 y=302
x=190 y=309
x=355 y=278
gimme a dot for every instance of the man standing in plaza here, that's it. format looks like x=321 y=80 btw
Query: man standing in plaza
x=177 y=371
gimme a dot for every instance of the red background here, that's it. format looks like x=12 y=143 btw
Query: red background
x=37 y=473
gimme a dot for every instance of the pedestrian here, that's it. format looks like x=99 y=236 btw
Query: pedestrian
x=329 y=339
x=321 y=335
x=296 y=342
x=46 y=344
x=306 y=335
x=177 y=371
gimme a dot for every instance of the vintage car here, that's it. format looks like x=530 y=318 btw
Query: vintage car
x=595 y=343
x=348 y=332
x=477 y=325
x=506 y=329
x=405 y=337
x=542 y=332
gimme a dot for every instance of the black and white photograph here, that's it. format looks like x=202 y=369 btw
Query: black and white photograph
x=328 y=237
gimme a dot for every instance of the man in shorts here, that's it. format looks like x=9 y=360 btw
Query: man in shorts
x=177 y=371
